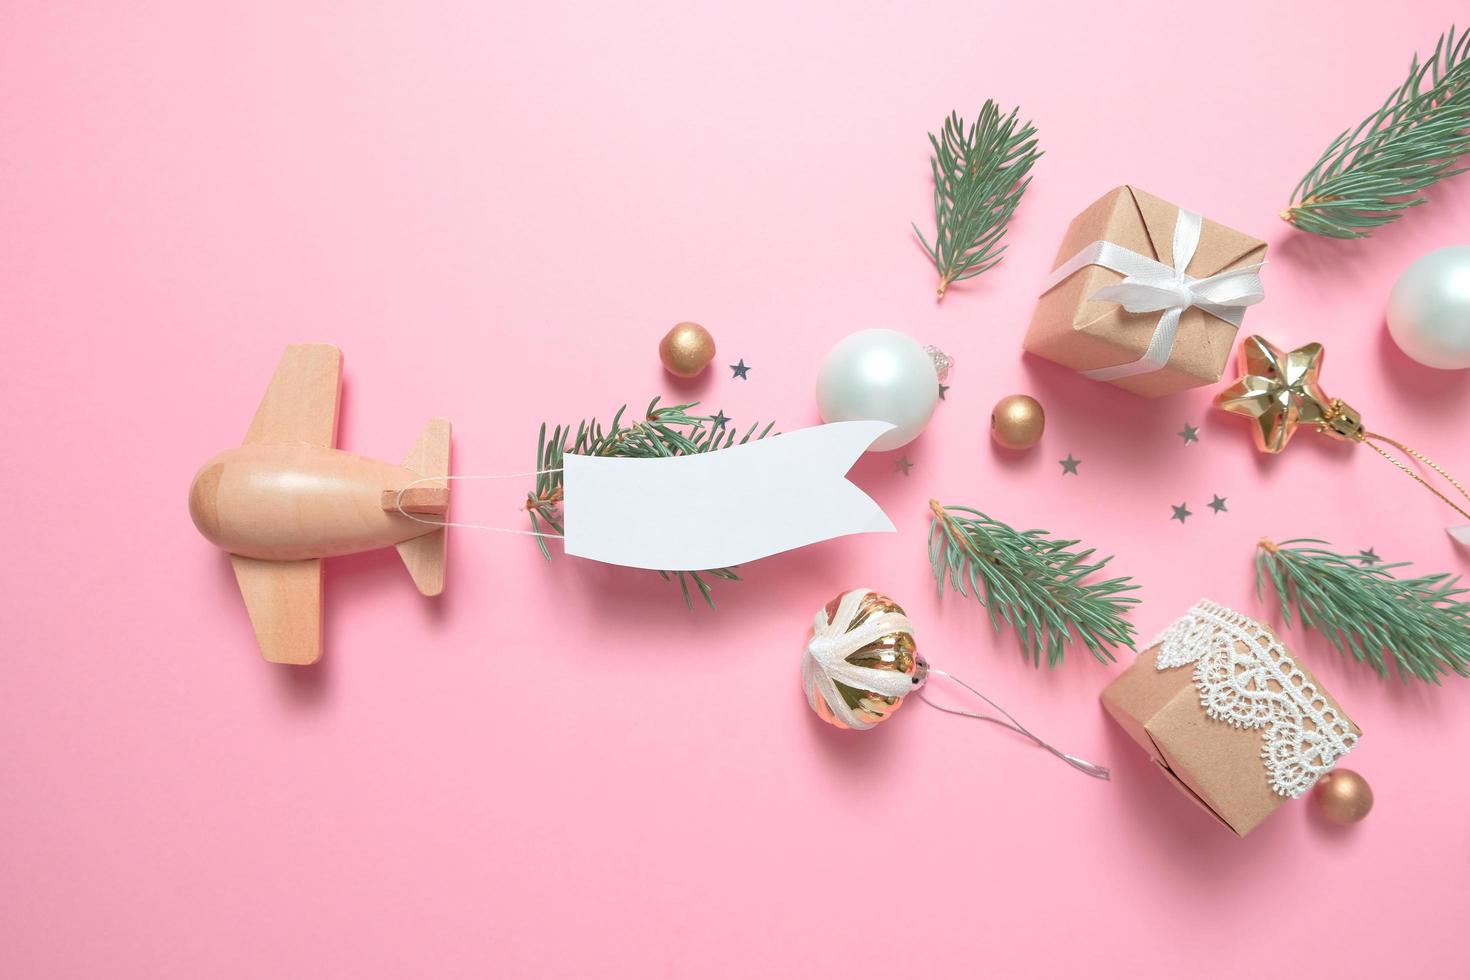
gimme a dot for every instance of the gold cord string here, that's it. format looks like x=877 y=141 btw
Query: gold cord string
x=1368 y=438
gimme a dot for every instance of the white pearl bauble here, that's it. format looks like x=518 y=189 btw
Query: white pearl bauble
x=879 y=374
x=1429 y=309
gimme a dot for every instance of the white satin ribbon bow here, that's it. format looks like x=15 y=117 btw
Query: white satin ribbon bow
x=1149 y=285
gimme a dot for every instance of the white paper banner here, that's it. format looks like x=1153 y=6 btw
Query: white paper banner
x=1460 y=534
x=716 y=509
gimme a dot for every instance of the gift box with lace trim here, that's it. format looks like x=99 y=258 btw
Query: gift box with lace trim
x=1229 y=716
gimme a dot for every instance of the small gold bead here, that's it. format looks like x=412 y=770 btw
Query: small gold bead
x=1343 y=796
x=686 y=350
x=1017 y=422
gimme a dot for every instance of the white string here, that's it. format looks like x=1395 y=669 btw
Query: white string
x=1082 y=765
x=398 y=502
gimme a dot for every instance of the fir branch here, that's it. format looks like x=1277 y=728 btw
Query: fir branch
x=1372 y=173
x=1032 y=582
x=1365 y=611
x=661 y=432
x=979 y=177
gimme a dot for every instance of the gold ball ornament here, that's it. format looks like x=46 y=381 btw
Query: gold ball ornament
x=1017 y=422
x=860 y=660
x=1343 y=796
x=686 y=350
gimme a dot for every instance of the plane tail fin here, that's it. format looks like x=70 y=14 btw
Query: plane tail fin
x=424 y=556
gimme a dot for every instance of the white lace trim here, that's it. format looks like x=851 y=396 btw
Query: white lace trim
x=1259 y=686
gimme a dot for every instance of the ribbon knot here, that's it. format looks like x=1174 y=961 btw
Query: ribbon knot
x=1150 y=286
x=1149 y=294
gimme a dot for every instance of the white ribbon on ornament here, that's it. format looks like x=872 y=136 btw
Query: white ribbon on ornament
x=824 y=665
x=1149 y=285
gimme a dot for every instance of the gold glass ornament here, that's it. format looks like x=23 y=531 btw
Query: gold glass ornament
x=1343 y=796
x=860 y=660
x=686 y=350
x=1280 y=391
x=1017 y=422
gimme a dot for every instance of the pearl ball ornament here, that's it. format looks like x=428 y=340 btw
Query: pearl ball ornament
x=883 y=375
x=686 y=350
x=1017 y=422
x=1343 y=796
x=1429 y=309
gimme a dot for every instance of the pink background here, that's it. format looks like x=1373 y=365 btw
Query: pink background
x=556 y=769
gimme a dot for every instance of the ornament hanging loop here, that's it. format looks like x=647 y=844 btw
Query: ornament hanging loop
x=1342 y=421
x=1009 y=721
x=1369 y=439
x=943 y=363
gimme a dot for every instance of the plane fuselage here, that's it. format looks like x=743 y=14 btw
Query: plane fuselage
x=293 y=502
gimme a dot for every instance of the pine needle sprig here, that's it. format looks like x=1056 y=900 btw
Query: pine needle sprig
x=664 y=431
x=1372 y=173
x=979 y=177
x=1031 y=582
x=1366 y=612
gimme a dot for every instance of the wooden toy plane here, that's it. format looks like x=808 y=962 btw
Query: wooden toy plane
x=287 y=498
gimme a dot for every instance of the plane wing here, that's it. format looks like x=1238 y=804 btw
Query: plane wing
x=300 y=406
x=284 y=599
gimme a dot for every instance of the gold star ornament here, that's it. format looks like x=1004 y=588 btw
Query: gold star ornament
x=1279 y=391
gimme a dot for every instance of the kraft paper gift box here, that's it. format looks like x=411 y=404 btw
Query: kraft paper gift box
x=1229 y=716
x=1098 y=336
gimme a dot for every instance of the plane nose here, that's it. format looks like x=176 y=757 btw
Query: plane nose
x=204 y=500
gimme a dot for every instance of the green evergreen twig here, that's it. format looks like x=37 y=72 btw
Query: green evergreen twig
x=1370 y=174
x=666 y=431
x=979 y=177
x=1365 y=612
x=1030 y=581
